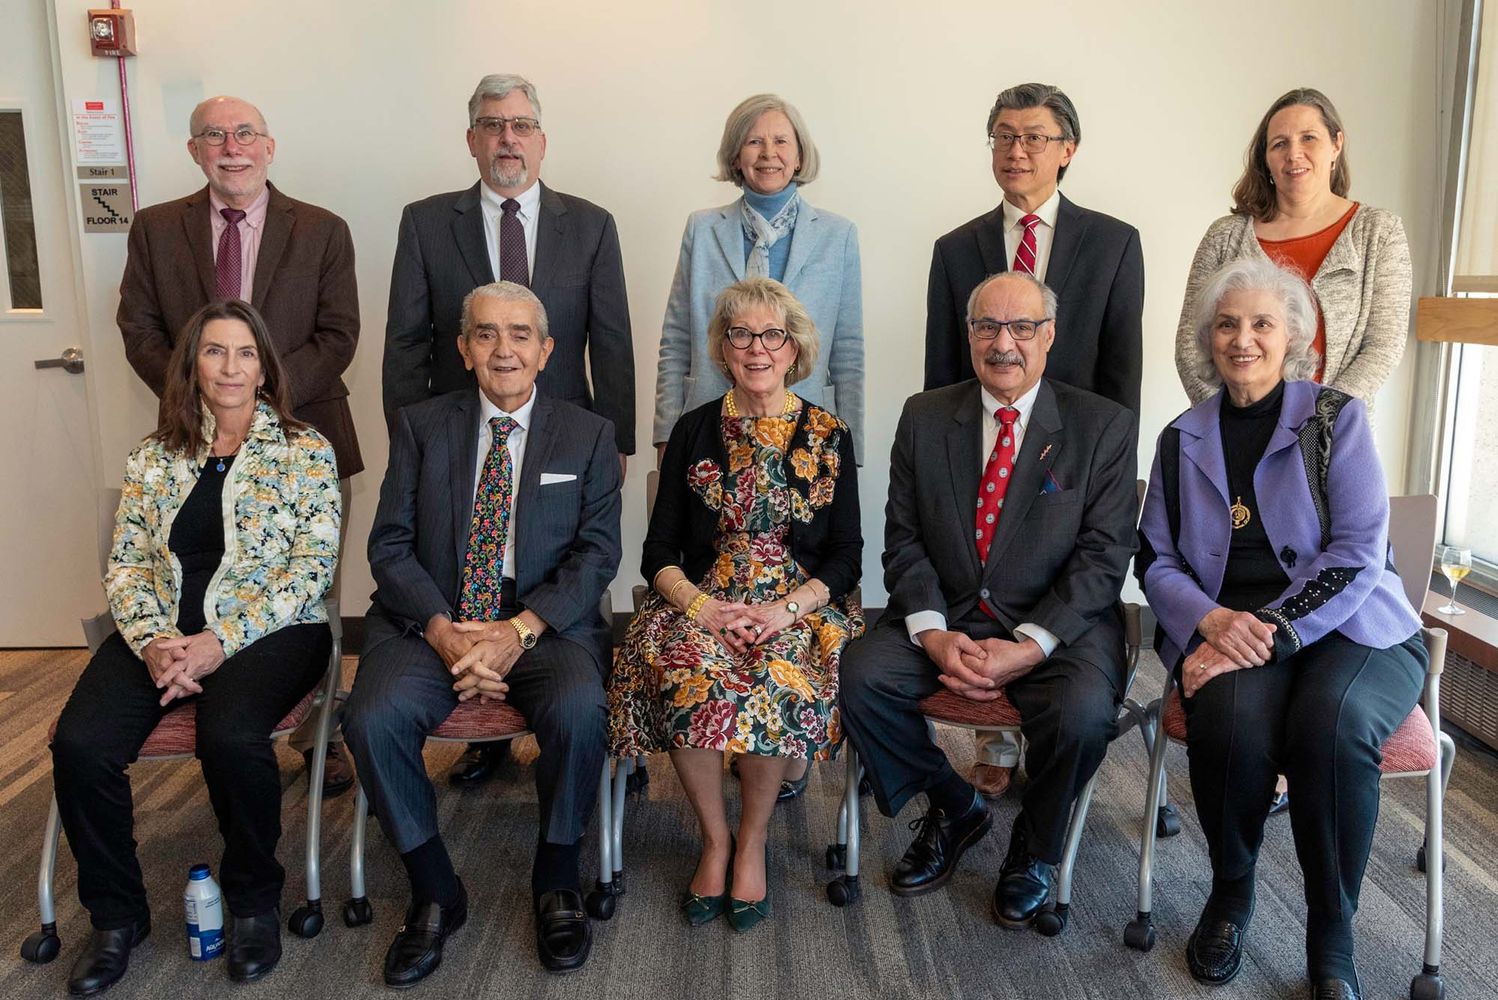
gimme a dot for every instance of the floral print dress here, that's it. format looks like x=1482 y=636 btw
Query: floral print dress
x=674 y=686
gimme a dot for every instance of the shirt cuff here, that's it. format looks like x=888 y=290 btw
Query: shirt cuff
x=923 y=621
x=1043 y=637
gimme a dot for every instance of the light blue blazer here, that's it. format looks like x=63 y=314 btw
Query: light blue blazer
x=823 y=271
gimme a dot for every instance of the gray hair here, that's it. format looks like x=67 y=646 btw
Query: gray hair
x=744 y=295
x=1255 y=274
x=504 y=291
x=1047 y=297
x=1039 y=95
x=742 y=118
x=498 y=86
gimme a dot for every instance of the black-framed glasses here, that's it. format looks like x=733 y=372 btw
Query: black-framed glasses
x=1030 y=142
x=523 y=128
x=741 y=337
x=244 y=136
x=1019 y=329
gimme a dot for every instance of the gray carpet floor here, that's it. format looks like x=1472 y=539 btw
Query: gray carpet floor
x=941 y=945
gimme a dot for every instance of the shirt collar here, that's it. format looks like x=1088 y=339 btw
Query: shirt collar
x=521 y=416
x=254 y=216
x=1048 y=210
x=1024 y=404
x=493 y=201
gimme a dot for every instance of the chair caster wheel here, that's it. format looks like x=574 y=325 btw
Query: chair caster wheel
x=43 y=946
x=357 y=912
x=865 y=787
x=1139 y=934
x=1168 y=822
x=837 y=856
x=638 y=780
x=601 y=905
x=1052 y=922
x=1420 y=860
x=306 y=921
x=1428 y=986
x=844 y=890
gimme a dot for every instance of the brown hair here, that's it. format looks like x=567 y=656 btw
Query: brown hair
x=181 y=426
x=1253 y=195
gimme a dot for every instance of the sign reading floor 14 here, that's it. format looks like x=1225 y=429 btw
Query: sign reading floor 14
x=105 y=207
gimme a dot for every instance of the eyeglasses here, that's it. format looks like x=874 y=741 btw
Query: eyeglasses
x=1019 y=329
x=244 y=136
x=773 y=339
x=523 y=128
x=1030 y=142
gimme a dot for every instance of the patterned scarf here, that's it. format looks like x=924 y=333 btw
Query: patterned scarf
x=766 y=233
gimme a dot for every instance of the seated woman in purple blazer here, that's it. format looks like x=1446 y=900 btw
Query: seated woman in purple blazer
x=1267 y=564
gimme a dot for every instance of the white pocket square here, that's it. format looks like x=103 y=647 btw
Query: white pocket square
x=548 y=478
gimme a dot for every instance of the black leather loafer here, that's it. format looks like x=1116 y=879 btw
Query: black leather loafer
x=563 y=935
x=1024 y=884
x=105 y=959
x=337 y=775
x=416 y=951
x=1214 y=952
x=254 y=946
x=478 y=764
x=1334 y=989
x=937 y=847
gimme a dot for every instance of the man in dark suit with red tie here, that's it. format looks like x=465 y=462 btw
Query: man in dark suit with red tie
x=241 y=238
x=1008 y=531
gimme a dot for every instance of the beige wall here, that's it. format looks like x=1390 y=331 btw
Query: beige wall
x=367 y=105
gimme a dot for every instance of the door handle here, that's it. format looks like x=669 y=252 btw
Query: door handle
x=71 y=361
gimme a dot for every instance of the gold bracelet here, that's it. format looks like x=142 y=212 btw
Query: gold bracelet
x=663 y=569
x=671 y=594
x=695 y=607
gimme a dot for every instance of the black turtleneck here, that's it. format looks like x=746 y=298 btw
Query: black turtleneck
x=1253 y=577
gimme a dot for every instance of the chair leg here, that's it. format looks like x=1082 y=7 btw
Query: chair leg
x=845 y=889
x=602 y=901
x=43 y=945
x=307 y=920
x=1139 y=933
x=357 y=911
x=1051 y=922
x=1428 y=985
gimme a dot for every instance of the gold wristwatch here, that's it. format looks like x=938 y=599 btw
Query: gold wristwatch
x=527 y=637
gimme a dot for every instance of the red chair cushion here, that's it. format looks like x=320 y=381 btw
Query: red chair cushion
x=176 y=735
x=1411 y=747
x=945 y=706
x=477 y=722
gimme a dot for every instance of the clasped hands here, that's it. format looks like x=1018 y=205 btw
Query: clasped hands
x=1234 y=640
x=478 y=654
x=739 y=626
x=978 y=669
x=178 y=662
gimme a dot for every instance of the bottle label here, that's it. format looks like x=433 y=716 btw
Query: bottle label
x=204 y=944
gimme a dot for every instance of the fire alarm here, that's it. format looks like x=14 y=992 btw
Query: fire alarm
x=111 y=32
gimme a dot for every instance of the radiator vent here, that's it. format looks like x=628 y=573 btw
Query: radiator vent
x=1469 y=698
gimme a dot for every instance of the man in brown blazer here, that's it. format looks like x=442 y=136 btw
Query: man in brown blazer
x=239 y=237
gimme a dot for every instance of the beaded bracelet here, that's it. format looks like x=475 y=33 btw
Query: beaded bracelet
x=695 y=607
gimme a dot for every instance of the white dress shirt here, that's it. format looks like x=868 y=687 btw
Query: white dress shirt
x=921 y=621
x=515 y=444
x=530 y=207
x=1045 y=232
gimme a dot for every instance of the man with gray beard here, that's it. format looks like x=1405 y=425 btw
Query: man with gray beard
x=510 y=227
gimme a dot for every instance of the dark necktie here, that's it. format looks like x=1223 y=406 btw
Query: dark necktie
x=995 y=481
x=228 y=262
x=512 y=261
x=1024 y=254
x=483 y=567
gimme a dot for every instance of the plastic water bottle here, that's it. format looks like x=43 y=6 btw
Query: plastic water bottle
x=205 y=915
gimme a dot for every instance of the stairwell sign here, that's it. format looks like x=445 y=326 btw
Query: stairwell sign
x=99 y=152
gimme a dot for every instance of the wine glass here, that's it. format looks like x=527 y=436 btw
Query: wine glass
x=1455 y=563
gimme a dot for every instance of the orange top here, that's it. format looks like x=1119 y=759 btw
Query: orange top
x=1304 y=255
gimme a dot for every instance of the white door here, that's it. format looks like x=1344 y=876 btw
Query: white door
x=49 y=518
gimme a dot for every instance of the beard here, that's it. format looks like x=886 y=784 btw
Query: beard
x=505 y=173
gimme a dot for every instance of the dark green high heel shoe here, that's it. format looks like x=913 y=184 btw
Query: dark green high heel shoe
x=744 y=915
x=701 y=909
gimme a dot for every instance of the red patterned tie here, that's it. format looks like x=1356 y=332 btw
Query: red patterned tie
x=483 y=567
x=512 y=259
x=1024 y=254
x=227 y=263
x=995 y=481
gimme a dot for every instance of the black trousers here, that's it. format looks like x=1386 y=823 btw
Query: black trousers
x=106 y=721
x=1068 y=707
x=1319 y=718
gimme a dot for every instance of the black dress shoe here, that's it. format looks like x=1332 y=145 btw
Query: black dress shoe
x=417 y=949
x=793 y=789
x=337 y=775
x=1024 y=884
x=1214 y=952
x=1334 y=989
x=938 y=844
x=254 y=946
x=105 y=959
x=563 y=934
x=478 y=764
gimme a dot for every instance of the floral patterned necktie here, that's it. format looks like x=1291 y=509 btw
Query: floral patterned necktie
x=483 y=567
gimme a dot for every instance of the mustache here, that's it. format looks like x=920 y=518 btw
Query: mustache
x=997 y=357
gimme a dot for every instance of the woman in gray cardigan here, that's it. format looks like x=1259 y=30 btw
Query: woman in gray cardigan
x=1290 y=207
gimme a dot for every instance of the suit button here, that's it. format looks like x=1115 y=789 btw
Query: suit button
x=983 y=593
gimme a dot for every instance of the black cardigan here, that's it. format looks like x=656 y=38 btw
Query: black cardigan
x=683 y=527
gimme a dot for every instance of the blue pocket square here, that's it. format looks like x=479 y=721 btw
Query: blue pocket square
x=1050 y=485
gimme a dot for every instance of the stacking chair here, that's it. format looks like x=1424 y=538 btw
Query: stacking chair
x=175 y=738
x=1417 y=748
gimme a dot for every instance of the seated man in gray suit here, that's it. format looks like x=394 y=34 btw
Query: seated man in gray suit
x=1008 y=531
x=496 y=534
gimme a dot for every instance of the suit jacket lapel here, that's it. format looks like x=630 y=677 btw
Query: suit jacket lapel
x=273 y=241
x=1042 y=437
x=197 y=226
x=964 y=448
x=1071 y=231
x=463 y=452
x=1201 y=443
x=729 y=232
x=804 y=238
x=551 y=238
x=538 y=444
x=991 y=242
x=468 y=233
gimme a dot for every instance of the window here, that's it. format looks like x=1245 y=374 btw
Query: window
x=19 y=244
x=1471 y=493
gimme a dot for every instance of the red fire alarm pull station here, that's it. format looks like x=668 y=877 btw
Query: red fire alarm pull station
x=111 y=32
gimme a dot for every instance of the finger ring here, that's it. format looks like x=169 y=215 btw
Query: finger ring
x=1202 y=667
x=723 y=631
x=758 y=629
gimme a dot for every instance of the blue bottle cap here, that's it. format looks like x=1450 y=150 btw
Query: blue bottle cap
x=198 y=872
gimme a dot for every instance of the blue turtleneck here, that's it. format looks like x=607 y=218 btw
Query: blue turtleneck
x=769 y=205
